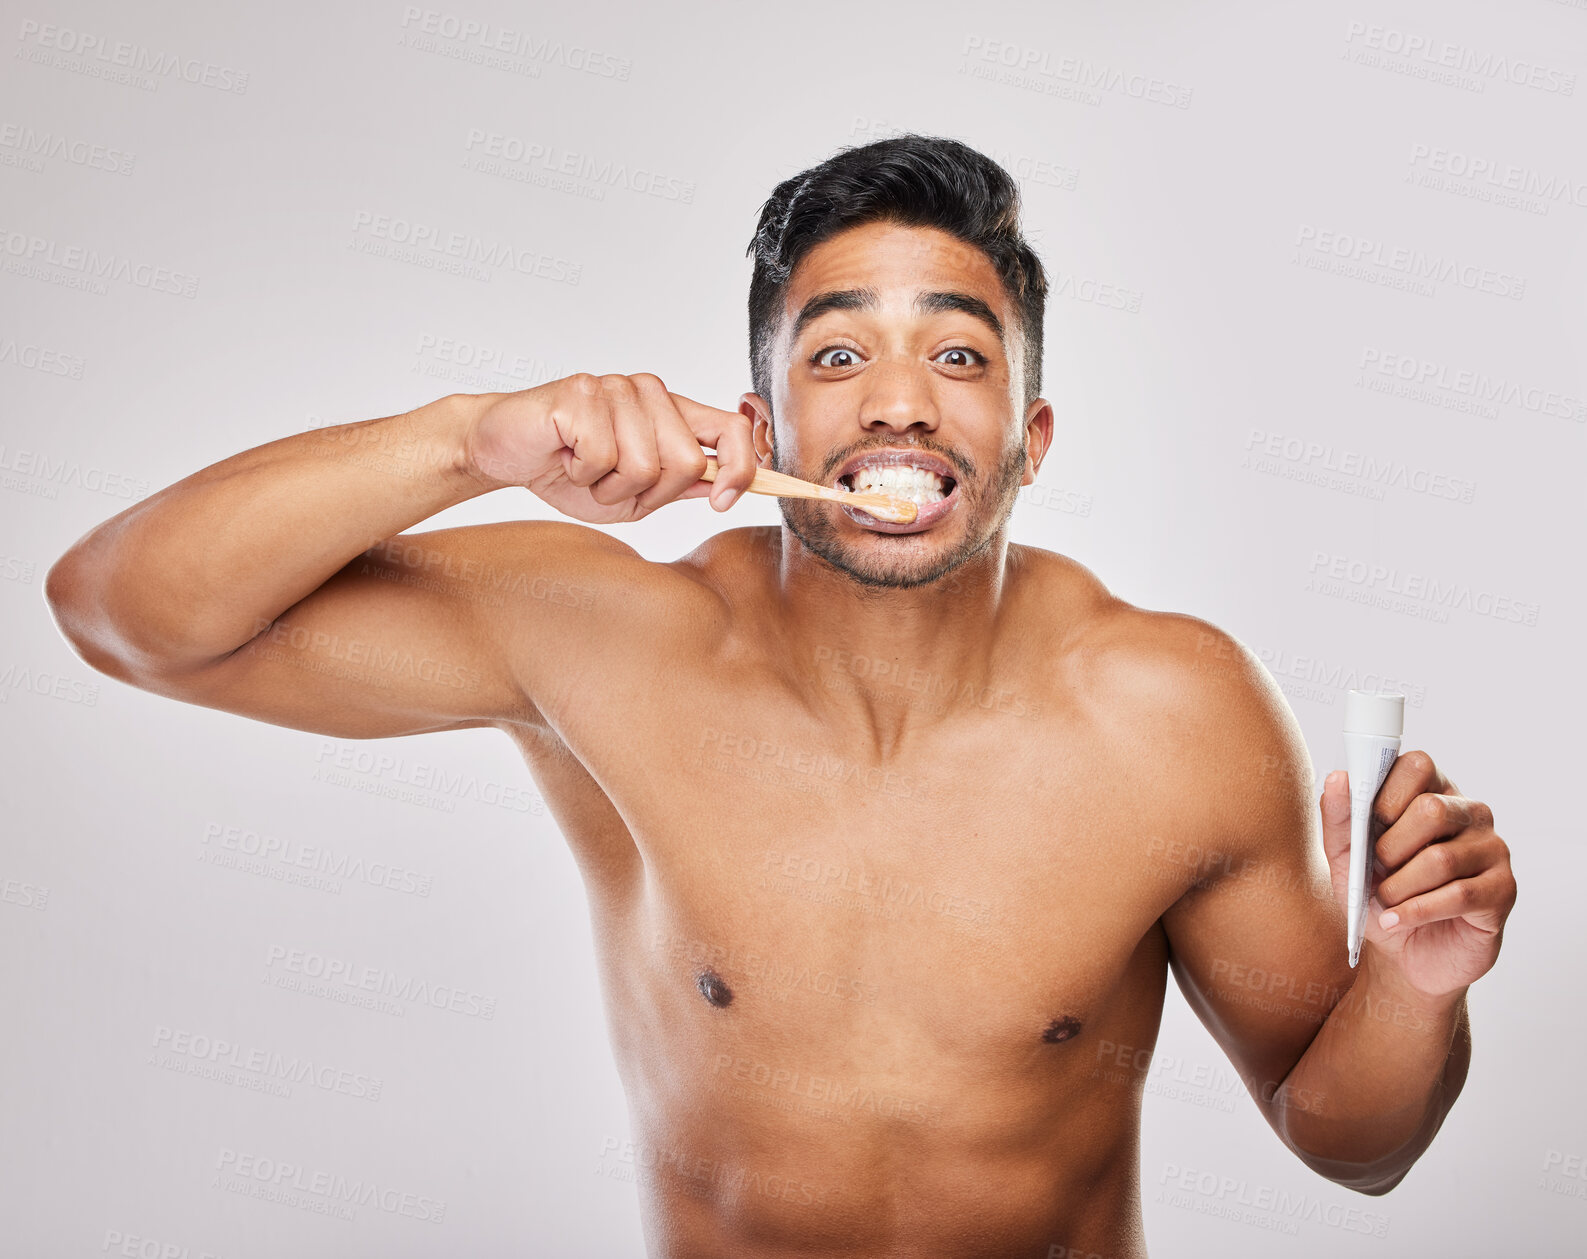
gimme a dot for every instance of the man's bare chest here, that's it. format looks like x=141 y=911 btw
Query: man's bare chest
x=989 y=883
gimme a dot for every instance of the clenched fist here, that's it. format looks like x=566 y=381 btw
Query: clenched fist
x=609 y=449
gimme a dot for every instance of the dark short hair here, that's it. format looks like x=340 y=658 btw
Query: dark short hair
x=915 y=180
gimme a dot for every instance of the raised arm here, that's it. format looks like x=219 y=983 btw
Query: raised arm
x=1354 y=1069
x=279 y=583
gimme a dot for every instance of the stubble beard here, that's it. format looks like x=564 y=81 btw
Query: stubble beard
x=887 y=561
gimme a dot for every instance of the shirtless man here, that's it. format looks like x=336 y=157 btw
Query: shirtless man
x=890 y=835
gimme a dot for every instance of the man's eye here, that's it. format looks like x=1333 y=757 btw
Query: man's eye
x=821 y=360
x=967 y=356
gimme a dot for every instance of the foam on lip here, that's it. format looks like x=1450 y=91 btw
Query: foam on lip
x=905 y=513
x=929 y=492
x=924 y=515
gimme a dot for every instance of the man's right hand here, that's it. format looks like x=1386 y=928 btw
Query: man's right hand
x=284 y=583
x=610 y=449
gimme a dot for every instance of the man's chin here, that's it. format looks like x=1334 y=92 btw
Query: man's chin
x=872 y=557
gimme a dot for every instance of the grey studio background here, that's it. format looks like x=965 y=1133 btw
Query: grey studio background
x=1315 y=345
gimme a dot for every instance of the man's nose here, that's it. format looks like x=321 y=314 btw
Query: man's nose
x=898 y=397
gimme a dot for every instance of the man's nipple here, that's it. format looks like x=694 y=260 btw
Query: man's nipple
x=713 y=989
x=1065 y=1028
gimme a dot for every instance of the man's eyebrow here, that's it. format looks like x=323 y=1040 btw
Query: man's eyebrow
x=931 y=303
x=925 y=303
x=836 y=299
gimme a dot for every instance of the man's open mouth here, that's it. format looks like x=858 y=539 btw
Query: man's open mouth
x=924 y=478
x=919 y=485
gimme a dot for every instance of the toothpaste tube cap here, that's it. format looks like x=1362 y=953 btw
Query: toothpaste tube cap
x=1372 y=712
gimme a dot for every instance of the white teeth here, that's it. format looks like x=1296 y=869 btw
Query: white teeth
x=917 y=484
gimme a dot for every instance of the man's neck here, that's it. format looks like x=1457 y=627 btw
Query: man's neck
x=878 y=654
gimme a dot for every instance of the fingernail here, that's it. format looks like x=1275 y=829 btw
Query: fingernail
x=1388 y=920
x=729 y=497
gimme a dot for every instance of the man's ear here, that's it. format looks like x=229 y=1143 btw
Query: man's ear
x=756 y=409
x=1038 y=437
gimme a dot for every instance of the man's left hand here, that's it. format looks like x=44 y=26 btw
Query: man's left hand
x=1442 y=886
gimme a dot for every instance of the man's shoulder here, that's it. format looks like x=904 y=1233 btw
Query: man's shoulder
x=1136 y=660
x=731 y=566
x=759 y=546
x=1190 y=715
x=1165 y=657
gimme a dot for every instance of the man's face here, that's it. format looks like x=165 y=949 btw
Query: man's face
x=886 y=349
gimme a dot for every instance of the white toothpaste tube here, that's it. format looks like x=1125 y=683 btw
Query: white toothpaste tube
x=1374 y=723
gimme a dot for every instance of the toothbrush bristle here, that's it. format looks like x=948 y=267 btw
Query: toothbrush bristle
x=898 y=511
